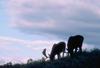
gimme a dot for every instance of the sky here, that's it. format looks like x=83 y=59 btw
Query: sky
x=29 y=26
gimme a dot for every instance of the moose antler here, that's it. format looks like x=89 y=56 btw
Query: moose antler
x=44 y=53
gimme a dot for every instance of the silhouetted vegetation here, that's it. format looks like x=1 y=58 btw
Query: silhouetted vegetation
x=86 y=59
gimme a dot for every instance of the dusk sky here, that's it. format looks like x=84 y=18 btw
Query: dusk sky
x=29 y=26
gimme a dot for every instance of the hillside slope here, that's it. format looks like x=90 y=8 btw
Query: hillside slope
x=80 y=60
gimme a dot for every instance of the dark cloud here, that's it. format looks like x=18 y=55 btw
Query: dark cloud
x=63 y=21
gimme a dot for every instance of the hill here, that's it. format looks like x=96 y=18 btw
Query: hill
x=86 y=59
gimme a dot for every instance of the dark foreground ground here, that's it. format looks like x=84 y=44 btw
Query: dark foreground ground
x=80 y=60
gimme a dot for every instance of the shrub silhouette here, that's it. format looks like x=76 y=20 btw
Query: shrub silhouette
x=30 y=60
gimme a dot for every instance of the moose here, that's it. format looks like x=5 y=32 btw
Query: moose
x=74 y=42
x=57 y=49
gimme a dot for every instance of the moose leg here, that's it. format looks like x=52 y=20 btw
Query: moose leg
x=80 y=49
x=71 y=52
x=58 y=56
x=76 y=50
x=63 y=53
x=68 y=53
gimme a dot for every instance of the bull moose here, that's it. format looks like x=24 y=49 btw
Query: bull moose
x=75 y=42
x=57 y=49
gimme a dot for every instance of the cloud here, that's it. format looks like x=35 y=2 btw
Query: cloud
x=57 y=18
x=34 y=44
x=12 y=51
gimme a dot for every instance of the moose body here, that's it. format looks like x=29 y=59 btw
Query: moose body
x=75 y=42
x=57 y=49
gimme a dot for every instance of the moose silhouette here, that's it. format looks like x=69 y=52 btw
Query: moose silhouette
x=57 y=49
x=75 y=42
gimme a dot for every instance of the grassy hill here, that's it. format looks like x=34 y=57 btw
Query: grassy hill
x=85 y=59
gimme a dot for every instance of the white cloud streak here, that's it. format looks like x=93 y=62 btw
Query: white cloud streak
x=5 y=41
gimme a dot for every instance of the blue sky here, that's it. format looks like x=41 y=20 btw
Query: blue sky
x=29 y=26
